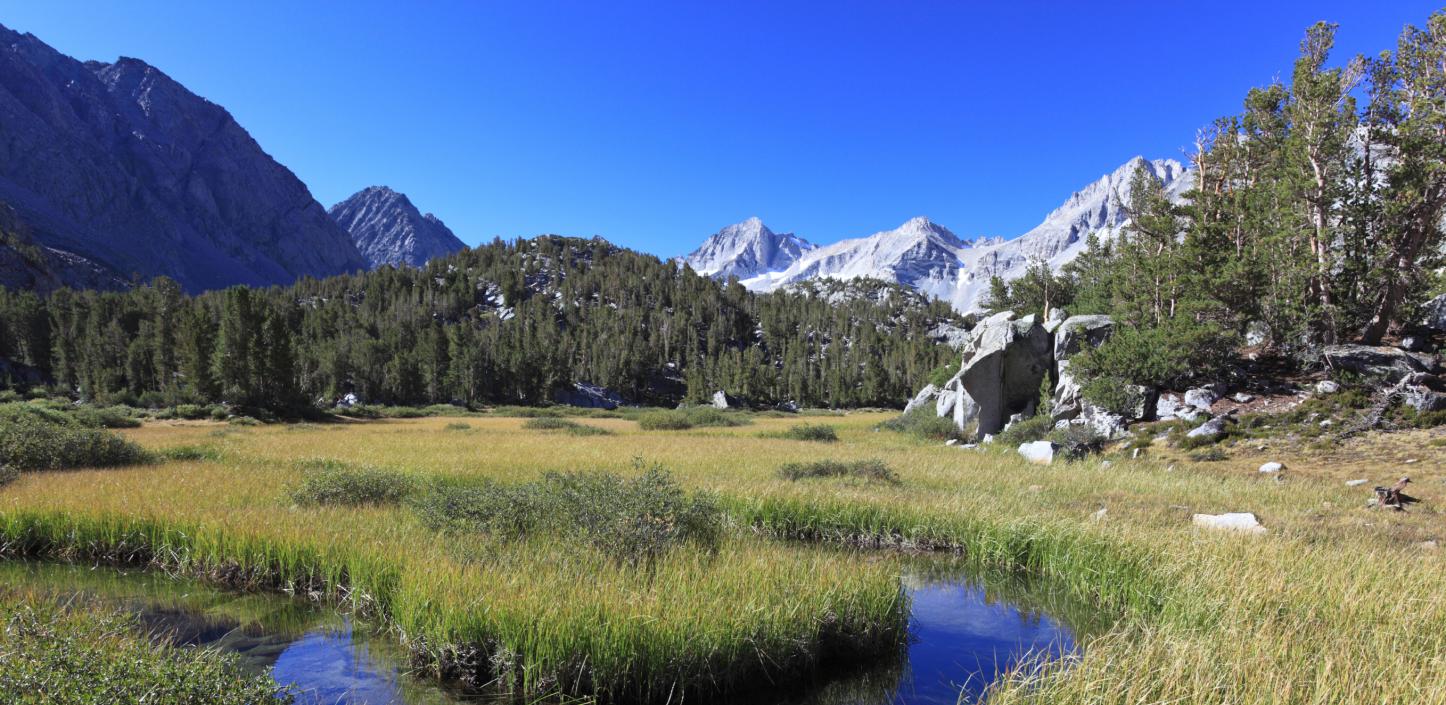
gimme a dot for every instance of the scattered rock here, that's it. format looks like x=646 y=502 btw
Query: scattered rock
x=1256 y=333
x=1416 y=343
x=1326 y=386
x=1356 y=483
x=1243 y=398
x=347 y=401
x=951 y=441
x=1201 y=398
x=1435 y=311
x=1099 y=515
x=1038 y=452
x=1210 y=429
x=1136 y=452
x=1106 y=463
x=724 y=400
x=1429 y=545
x=1244 y=522
x=1272 y=467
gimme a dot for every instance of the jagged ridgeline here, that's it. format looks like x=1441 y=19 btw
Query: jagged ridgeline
x=506 y=322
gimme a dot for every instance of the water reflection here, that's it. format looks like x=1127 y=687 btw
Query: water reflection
x=963 y=635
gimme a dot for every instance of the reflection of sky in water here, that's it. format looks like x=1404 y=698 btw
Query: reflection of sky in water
x=329 y=668
x=960 y=641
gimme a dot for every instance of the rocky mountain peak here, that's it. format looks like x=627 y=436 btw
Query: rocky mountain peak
x=388 y=230
x=746 y=249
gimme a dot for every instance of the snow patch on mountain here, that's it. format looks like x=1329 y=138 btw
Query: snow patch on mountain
x=929 y=257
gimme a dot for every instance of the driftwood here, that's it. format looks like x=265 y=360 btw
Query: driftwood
x=1394 y=496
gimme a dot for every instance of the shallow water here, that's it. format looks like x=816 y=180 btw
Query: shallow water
x=962 y=637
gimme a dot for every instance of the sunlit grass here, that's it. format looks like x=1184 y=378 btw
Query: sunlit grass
x=1337 y=603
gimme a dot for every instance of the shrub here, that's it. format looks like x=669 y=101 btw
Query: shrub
x=633 y=520
x=1077 y=440
x=1169 y=356
x=1209 y=455
x=868 y=470
x=106 y=417
x=218 y=412
x=550 y=423
x=332 y=482
x=243 y=421
x=1034 y=428
x=924 y=423
x=457 y=426
x=664 y=421
x=8 y=473
x=33 y=442
x=190 y=453
x=811 y=432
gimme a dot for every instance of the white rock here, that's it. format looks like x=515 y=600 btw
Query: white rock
x=1243 y=522
x=1356 y=483
x=951 y=441
x=1243 y=398
x=1106 y=463
x=1211 y=428
x=1201 y=398
x=1272 y=467
x=1038 y=452
x=1099 y=515
x=1136 y=452
x=1326 y=386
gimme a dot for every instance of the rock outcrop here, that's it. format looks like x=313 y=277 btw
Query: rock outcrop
x=120 y=165
x=1385 y=363
x=589 y=396
x=1003 y=366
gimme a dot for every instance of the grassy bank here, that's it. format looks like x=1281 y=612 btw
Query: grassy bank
x=1337 y=603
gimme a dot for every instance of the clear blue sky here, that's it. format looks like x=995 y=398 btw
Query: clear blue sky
x=654 y=124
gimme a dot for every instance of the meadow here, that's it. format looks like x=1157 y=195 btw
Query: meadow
x=1336 y=603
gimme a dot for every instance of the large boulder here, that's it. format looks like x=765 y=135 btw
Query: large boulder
x=1389 y=364
x=1201 y=398
x=1424 y=392
x=588 y=395
x=1041 y=452
x=1072 y=336
x=1243 y=522
x=1210 y=429
x=1003 y=366
x=1435 y=311
x=724 y=400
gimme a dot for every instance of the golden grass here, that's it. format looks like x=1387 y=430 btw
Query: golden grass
x=1336 y=604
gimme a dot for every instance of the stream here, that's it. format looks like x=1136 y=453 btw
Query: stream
x=962 y=637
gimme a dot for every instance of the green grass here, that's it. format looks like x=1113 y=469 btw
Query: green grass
x=332 y=482
x=553 y=423
x=690 y=417
x=872 y=470
x=81 y=655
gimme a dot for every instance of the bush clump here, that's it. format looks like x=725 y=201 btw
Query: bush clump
x=457 y=426
x=190 y=453
x=634 y=520
x=332 y=482
x=8 y=474
x=1034 y=428
x=868 y=470
x=690 y=417
x=31 y=441
x=106 y=417
x=553 y=423
x=811 y=432
x=925 y=424
x=1077 y=440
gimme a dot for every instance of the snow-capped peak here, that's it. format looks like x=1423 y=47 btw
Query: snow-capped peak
x=745 y=250
x=929 y=257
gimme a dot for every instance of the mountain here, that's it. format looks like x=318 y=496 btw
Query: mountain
x=745 y=250
x=120 y=165
x=28 y=266
x=929 y=258
x=387 y=229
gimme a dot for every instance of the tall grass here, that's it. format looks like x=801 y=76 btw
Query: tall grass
x=1335 y=604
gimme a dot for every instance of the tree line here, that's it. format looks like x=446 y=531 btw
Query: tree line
x=1315 y=218
x=506 y=322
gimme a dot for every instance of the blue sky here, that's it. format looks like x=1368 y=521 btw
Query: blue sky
x=655 y=124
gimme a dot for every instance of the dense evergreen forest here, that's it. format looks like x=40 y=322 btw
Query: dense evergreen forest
x=1315 y=219
x=501 y=323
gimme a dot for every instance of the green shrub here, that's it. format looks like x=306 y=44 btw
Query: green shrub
x=1169 y=356
x=106 y=417
x=33 y=442
x=664 y=421
x=552 y=423
x=218 y=412
x=8 y=473
x=810 y=432
x=1077 y=440
x=1034 y=428
x=243 y=421
x=332 y=482
x=1209 y=455
x=190 y=453
x=526 y=412
x=869 y=470
x=925 y=424
x=634 y=520
x=457 y=426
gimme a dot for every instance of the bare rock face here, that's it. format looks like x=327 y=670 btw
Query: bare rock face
x=1072 y=336
x=122 y=166
x=388 y=229
x=1003 y=368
